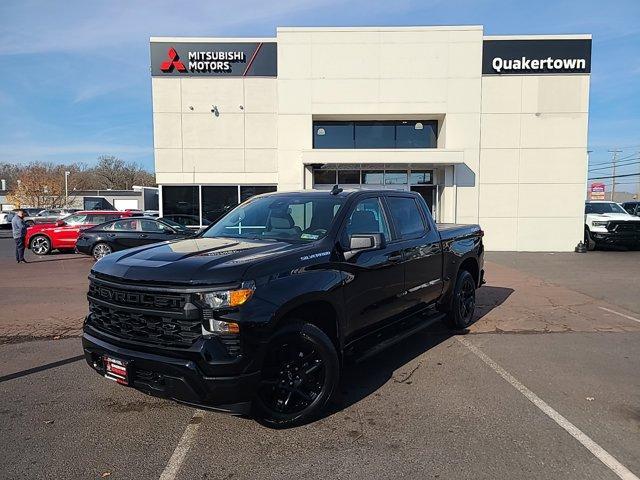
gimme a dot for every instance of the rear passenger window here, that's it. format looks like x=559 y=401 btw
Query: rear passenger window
x=368 y=217
x=406 y=216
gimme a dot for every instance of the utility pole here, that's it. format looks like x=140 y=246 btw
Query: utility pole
x=613 y=179
x=66 y=188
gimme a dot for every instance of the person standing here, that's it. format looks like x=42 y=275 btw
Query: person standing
x=19 y=228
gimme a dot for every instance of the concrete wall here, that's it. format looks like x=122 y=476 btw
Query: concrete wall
x=533 y=161
x=193 y=145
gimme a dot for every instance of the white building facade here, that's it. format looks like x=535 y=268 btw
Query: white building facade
x=489 y=129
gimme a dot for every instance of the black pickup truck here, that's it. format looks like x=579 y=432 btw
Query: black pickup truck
x=257 y=313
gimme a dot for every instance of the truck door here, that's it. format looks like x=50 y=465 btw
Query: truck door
x=375 y=278
x=421 y=250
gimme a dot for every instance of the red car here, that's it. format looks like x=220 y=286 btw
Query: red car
x=63 y=234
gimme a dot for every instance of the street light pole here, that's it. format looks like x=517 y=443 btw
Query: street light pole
x=66 y=188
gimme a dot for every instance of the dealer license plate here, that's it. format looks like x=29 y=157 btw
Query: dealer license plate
x=116 y=370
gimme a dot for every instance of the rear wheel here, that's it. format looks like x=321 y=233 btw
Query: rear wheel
x=100 y=250
x=299 y=375
x=40 y=245
x=463 y=304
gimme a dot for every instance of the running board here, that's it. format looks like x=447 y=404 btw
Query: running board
x=394 y=339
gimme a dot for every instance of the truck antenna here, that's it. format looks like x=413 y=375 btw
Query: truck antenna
x=336 y=190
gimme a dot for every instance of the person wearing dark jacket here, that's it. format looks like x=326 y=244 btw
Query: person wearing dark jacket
x=19 y=228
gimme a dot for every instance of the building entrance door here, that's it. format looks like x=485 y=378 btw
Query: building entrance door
x=428 y=192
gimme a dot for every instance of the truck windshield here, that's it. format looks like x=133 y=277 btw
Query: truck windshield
x=288 y=218
x=604 y=208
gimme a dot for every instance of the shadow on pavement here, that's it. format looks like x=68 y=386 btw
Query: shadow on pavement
x=488 y=298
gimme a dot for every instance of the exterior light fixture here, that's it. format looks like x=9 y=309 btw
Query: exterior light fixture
x=321 y=131
x=418 y=126
x=215 y=111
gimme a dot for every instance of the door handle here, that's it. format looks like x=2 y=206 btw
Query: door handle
x=395 y=258
x=143 y=235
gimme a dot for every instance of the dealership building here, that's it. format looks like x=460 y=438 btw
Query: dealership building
x=488 y=129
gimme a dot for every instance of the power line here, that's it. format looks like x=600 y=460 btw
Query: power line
x=617 y=164
x=615 y=176
x=609 y=162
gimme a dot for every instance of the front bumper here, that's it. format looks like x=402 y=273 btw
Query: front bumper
x=616 y=238
x=179 y=379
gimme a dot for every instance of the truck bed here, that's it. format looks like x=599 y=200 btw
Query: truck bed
x=455 y=231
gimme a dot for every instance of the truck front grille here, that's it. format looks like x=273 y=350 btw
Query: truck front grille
x=632 y=227
x=144 y=328
x=154 y=317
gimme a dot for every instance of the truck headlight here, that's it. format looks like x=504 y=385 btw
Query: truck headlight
x=599 y=224
x=228 y=298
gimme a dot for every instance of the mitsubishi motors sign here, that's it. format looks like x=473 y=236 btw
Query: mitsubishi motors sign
x=237 y=59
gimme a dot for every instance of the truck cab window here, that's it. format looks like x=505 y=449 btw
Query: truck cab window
x=368 y=217
x=406 y=216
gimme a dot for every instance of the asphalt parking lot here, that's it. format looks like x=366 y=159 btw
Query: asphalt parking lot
x=544 y=385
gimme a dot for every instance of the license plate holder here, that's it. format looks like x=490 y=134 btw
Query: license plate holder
x=116 y=369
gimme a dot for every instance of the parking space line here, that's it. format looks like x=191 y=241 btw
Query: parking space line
x=621 y=314
x=186 y=442
x=600 y=453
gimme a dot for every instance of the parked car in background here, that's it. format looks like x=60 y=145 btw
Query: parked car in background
x=632 y=208
x=151 y=213
x=608 y=223
x=5 y=219
x=126 y=233
x=41 y=239
x=48 y=216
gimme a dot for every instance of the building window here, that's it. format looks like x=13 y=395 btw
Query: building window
x=376 y=134
x=373 y=177
x=324 y=177
x=217 y=201
x=421 y=177
x=181 y=204
x=413 y=134
x=395 y=177
x=333 y=134
x=349 y=177
x=248 y=191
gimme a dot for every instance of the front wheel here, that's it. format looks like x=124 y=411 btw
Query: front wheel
x=300 y=373
x=588 y=241
x=101 y=250
x=463 y=303
x=40 y=245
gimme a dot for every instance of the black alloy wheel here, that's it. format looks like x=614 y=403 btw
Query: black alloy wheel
x=464 y=301
x=299 y=375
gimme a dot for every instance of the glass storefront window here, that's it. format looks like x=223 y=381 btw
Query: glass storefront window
x=372 y=177
x=218 y=201
x=332 y=134
x=181 y=204
x=248 y=191
x=324 y=177
x=416 y=134
x=349 y=177
x=375 y=135
x=418 y=177
x=395 y=177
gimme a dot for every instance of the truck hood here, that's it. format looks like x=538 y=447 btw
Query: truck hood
x=193 y=261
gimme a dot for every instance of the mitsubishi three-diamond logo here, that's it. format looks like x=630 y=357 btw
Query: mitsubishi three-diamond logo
x=173 y=61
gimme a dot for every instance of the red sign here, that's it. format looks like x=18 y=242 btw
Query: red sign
x=173 y=61
x=597 y=191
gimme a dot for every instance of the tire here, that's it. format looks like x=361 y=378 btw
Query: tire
x=100 y=250
x=588 y=241
x=300 y=372
x=40 y=245
x=463 y=302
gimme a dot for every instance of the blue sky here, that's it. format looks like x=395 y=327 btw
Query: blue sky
x=75 y=81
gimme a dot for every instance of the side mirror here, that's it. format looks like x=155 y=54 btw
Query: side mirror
x=361 y=242
x=60 y=223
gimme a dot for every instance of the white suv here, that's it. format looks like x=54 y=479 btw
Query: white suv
x=609 y=223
